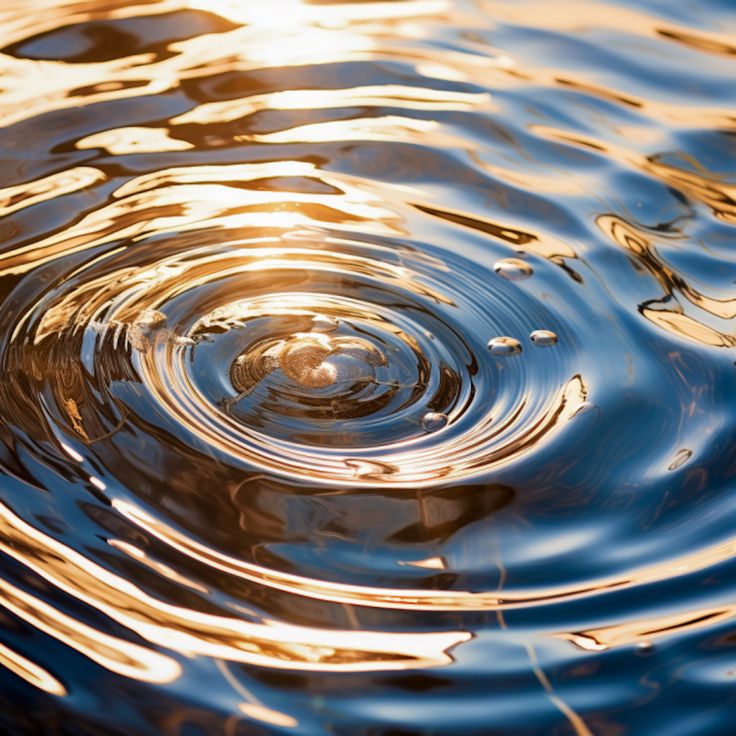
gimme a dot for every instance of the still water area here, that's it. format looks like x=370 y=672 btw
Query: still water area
x=367 y=368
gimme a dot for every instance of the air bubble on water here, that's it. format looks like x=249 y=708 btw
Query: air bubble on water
x=513 y=269
x=504 y=346
x=433 y=421
x=543 y=338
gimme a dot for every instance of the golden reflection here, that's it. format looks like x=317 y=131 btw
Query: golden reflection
x=641 y=243
x=402 y=464
x=541 y=245
x=191 y=199
x=420 y=600
x=266 y=35
x=688 y=327
x=431 y=563
x=72 y=409
x=644 y=631
x=259 y=712
x=121 y=141
x=660 y=111
x=702 y=186
x=20 y=196
x=297 y=12
x=579 y=16
x=38 y=87
x=165 y=571
x=251 y=87
x=30 y=672
x=116 y=655
x=190 y=632
x=41 y=16
x=393 y=95
x=384 y=128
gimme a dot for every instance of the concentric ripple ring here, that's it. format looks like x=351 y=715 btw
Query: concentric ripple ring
x=328 y=355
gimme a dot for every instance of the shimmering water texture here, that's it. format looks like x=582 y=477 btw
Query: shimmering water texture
x=367 y=367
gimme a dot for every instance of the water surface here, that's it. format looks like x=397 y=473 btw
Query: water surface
x=367 y=367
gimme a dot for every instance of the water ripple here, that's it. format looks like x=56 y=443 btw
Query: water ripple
x=366 y=367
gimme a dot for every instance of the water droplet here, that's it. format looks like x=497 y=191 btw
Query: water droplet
x=681 y=458
x=433 y=421
x=543 y=338
x=513 y=269
x=504 y=346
